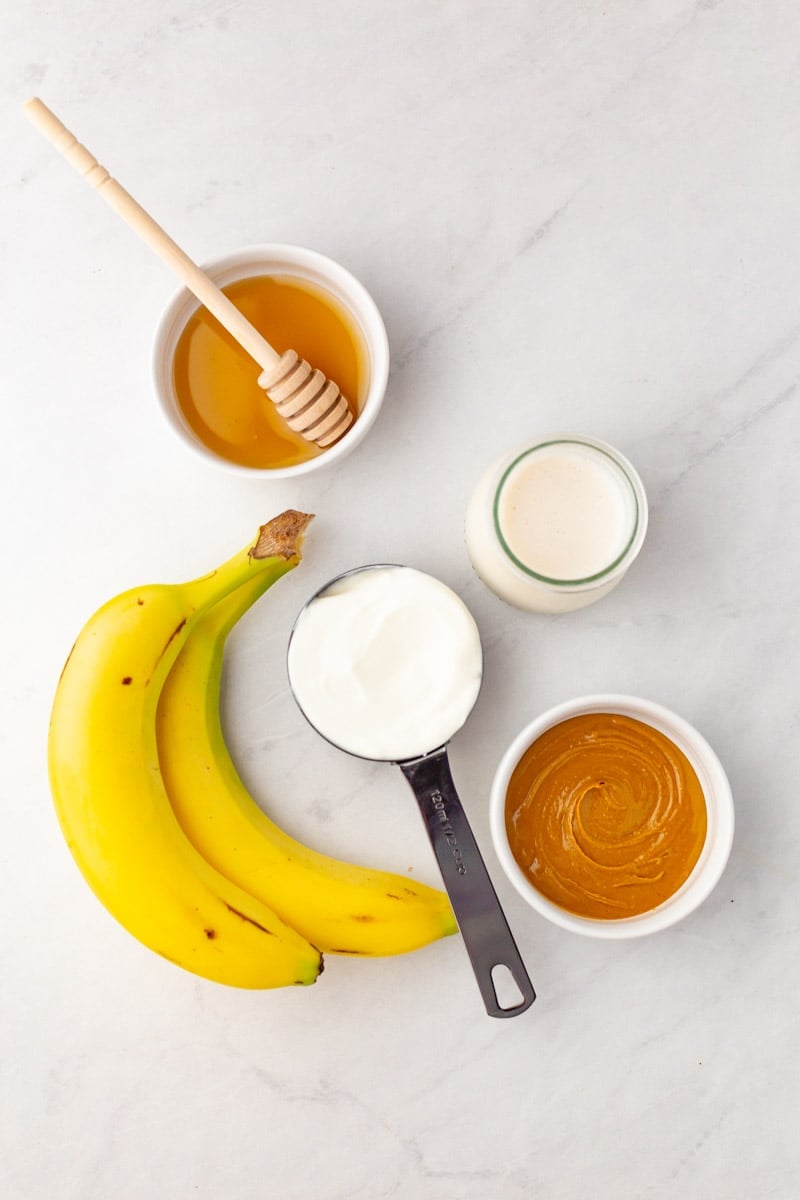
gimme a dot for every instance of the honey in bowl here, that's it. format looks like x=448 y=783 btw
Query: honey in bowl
x=216 y=381
x=605 y=815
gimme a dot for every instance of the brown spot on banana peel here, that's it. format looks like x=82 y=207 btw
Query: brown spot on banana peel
x=363 y=918
x=210 y=934
x=282 y=537
x=167 y=645
x=127 y=680
x=251 y=921
x=269 y=933
x=172 y=637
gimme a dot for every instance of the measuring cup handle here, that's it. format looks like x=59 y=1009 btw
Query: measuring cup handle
x=483 y=926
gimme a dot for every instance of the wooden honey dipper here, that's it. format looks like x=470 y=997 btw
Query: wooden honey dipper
x=311 y=404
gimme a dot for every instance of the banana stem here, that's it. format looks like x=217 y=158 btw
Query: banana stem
x=220 y=619
x=276 y=550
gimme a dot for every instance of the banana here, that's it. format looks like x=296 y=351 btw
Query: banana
x=341 y=908
x=110 y=796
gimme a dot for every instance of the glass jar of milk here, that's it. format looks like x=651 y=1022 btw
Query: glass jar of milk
x=555 y=526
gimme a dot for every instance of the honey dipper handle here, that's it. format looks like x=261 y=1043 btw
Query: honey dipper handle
x=157 y=239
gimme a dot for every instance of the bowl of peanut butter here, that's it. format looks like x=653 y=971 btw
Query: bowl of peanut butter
x=612 y=816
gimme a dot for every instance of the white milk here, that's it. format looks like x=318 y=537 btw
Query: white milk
x=556 y=526
x=386 y=663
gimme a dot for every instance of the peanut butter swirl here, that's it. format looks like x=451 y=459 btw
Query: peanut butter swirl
x=605 y=815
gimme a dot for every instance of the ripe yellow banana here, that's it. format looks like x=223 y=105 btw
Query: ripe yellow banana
x=340 y=908
x=110 y=796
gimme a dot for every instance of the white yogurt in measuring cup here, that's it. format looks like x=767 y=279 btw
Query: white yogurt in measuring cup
x=386 y=663
x=555 y=526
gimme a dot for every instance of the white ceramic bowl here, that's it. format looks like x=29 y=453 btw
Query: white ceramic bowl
x=719 y=806
x=297 y=263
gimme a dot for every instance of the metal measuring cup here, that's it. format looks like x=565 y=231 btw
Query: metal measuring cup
x=487 y=937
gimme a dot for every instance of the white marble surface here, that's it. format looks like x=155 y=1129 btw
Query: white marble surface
x=572 y=215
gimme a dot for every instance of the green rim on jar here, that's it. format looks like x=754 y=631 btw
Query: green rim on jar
x=598 y=576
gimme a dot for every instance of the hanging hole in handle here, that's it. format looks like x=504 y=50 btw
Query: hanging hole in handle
x=506 y=989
